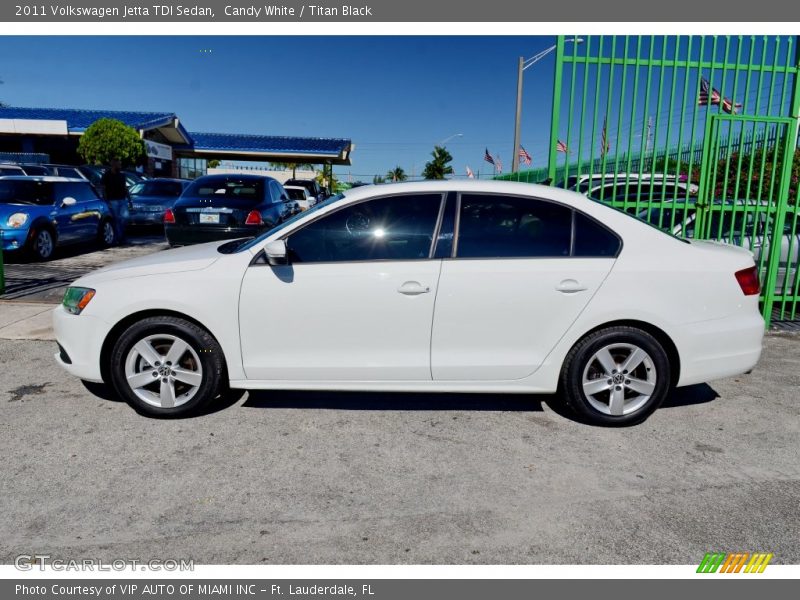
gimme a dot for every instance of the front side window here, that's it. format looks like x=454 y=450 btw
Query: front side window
x=392 y=228
x=512 y=227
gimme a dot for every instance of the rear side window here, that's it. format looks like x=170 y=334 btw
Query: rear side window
x=393 y=228
x=593 y=240
x=493 y=226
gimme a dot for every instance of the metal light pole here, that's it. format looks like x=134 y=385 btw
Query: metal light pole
x=523 y=65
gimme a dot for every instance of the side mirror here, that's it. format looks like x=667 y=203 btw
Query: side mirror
x=277 y=254
x=68 y=201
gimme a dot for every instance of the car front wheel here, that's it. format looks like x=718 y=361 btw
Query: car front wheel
x=167 y=367
x=42 y=244
x=616 y=376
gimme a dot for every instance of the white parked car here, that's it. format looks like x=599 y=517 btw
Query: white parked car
x=450 y=286
x=301 y=195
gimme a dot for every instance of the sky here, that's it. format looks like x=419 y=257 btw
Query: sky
x=395 y=97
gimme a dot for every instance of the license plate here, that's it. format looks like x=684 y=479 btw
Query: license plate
x=209 y=218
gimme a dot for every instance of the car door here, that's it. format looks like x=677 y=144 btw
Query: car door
x=79 y=221
x=356 y=301
x=516 y=281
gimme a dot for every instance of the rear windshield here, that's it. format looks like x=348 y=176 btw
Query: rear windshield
x=157 y=188
x=10 y=171
x=26 y=192
x=226 y=188
x=296 y=194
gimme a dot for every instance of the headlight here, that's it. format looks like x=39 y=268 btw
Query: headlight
x=17 y=220
x=76 y=299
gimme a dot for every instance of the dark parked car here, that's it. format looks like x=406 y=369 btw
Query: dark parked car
x=36 y=170
x=151 y=198
x=311 y=185
x=94 y=173
x=217 y=207
x=66 y=171
x=7 y=169
x=39 y=213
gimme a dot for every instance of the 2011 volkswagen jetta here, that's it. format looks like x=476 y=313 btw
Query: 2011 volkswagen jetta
x=444 y=286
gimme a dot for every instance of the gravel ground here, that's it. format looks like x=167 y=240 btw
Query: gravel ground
x=398 y=478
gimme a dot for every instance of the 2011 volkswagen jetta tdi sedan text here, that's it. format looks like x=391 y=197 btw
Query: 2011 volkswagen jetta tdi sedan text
x=434 y=286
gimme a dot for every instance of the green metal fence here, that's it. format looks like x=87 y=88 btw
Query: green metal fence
x=696 y=134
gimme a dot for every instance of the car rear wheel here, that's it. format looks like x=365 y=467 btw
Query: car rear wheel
x=42 y=244
x=616 y=376
x=167 y=367
x=106 y=234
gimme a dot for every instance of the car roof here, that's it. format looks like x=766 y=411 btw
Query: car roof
x=175 y=179
x=472 y=185
x=294 y=187
x=46 y=178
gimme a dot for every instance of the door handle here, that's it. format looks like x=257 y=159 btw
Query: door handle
x=570 y=286
x=413 y=288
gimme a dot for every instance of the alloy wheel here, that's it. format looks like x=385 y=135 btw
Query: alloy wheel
x=163 y=370
x=619 y=379
x=43 y=245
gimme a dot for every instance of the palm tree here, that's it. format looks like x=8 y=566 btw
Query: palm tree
x=439 y=167
x=396 y=174
x=292 y=166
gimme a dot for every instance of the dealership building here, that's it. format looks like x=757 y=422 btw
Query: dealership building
x=52 y=134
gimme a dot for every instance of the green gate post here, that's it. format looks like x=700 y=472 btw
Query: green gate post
x=557 y=79
x=783 y=198
x=2 y=268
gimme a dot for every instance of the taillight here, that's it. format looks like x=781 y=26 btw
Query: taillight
x=254 y=218
x=169 y=216
x=748 y=281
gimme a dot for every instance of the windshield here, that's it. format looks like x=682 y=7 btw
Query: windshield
x=248 y=243
x=172 y=189
x=26 y=192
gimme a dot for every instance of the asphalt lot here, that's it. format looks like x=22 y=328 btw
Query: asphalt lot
x=46 y=281
x=398 y=478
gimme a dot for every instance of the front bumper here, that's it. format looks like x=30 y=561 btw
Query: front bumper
x=182 y=235
x=14 y=238
x=80 y=338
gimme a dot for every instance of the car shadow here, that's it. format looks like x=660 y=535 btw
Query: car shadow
x=690 y=395
x=225 y=400
x=417 y=401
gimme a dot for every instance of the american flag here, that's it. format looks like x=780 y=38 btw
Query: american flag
x=714 y=98
x=524 y=156
x=470 y=174
x=703 y=97
x=561 y=147
x=604 y=145
x=488 y=157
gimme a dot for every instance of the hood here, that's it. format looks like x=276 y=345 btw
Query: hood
x=176 y=260
x=7 y=209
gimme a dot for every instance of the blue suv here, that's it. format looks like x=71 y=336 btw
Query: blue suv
x=39 y=213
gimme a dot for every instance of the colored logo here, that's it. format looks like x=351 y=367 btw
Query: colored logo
x=734 y=562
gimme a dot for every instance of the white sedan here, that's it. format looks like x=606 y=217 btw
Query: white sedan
x=301 y=195
x=450 y=286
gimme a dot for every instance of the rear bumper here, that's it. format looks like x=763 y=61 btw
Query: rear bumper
x=182 y=235
x=81 y=339
x=144 y=218
x=720 y=348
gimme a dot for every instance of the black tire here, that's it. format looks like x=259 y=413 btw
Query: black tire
x=582 y=360
x=42 y=244
x=106 y=234
x=204 y=350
